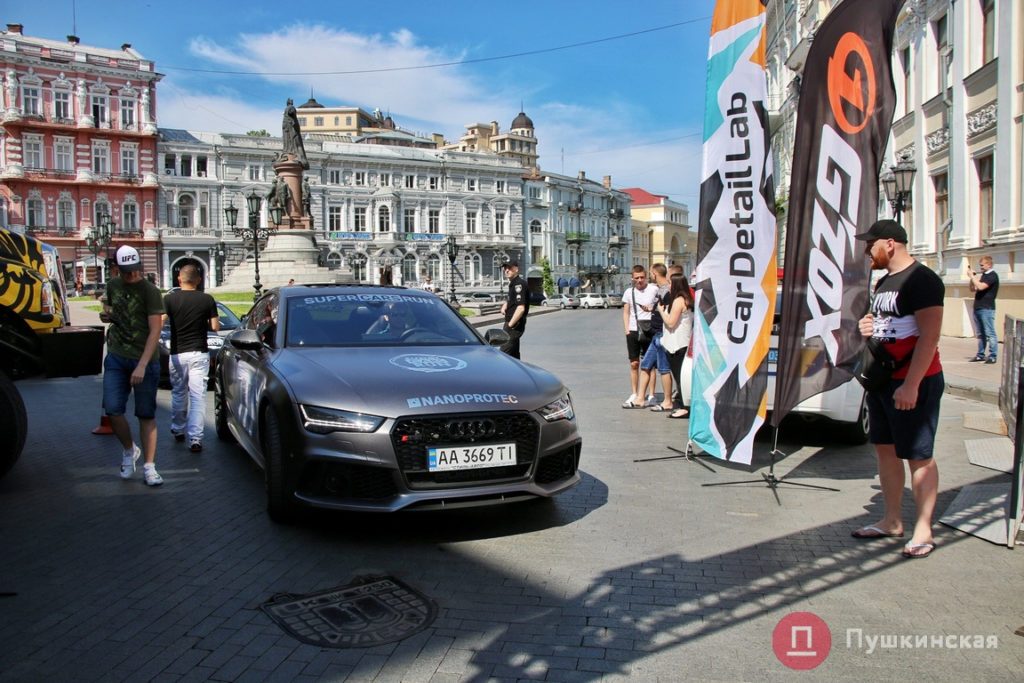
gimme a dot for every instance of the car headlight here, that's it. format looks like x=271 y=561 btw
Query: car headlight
x=560 y=409
x=326 y=420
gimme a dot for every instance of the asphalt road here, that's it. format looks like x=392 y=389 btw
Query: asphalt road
x=638 y=573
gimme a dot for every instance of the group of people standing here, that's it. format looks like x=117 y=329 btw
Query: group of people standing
x=135 y=311
x=657 y=318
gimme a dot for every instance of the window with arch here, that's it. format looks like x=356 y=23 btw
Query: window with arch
x=65 y=213
x=383 y=219
x=434 y=267
x=333 y=260
x=410 y=269
x=130 y=217
x=186 y=207
x=358 y=264
x=535 y=227
x=99 y=210
x=471 y=268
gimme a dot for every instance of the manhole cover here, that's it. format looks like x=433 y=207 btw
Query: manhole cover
x=369 y=611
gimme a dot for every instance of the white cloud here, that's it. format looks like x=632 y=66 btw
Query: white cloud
x=601 y=141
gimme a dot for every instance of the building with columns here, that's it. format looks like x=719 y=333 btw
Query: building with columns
x=666 y=224
x=581 y=227
x=77 y=145
x=958 y=70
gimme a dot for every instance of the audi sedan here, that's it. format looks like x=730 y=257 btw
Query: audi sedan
x=356 y=397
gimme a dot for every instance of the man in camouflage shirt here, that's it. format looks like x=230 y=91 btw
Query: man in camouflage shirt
x=133 y=307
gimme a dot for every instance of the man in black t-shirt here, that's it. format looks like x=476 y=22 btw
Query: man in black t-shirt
x=515 y=308
x=906 y=320
x=191 y=314
x=985 y=286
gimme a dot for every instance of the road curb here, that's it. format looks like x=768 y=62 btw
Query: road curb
x=976 y=393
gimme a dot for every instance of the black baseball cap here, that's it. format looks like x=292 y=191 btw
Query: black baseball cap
x=510 y=264
x=885 y=229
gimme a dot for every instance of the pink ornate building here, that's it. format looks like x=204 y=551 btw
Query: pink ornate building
x=78 y=143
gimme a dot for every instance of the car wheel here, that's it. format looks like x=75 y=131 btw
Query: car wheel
x=280 y=506
x=561 y=306
x=856 y=433
x=220 y=412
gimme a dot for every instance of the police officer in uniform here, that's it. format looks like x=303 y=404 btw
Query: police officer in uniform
x=515 y=308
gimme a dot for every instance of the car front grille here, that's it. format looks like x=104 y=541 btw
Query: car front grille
x=412 y=436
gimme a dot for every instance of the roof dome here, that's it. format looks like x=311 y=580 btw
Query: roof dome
x=311 y=104
x=522 y=121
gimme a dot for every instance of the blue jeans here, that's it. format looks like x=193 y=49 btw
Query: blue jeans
x=986 y=320
x=117 y=384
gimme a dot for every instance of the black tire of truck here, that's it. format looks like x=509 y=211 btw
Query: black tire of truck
x=13 y=424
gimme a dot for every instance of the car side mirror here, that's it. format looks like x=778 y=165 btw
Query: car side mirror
x=247 y=340
x=496 y=337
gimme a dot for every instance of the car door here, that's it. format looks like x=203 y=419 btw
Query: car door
x=245 y=371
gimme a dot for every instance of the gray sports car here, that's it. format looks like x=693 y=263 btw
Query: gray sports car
x=383 y=398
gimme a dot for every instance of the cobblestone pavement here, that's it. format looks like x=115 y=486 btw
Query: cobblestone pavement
x=639 y=572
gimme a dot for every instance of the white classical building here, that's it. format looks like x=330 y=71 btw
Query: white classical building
x=958 y=69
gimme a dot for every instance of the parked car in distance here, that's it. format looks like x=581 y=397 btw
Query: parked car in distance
x=480 y=296
x=214 y=340
x=593 y=300
x=562 y=301
x=614 y=299
x=378 y=399
x=536 y=298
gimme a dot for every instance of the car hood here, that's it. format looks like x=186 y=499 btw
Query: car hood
x=415 y=380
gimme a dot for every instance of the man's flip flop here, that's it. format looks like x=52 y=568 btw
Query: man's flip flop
x=679 y=415
x=658 y=408
x=908 y=550
x=873 y=531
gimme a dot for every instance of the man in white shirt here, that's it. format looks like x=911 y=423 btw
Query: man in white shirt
x=637 y=305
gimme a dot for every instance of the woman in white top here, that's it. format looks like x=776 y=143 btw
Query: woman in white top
x=677 y=315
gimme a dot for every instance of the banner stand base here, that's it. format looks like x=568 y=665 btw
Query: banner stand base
x=688 y=455
x=770 y=479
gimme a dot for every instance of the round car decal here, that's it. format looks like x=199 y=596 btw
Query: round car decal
x=425 y=362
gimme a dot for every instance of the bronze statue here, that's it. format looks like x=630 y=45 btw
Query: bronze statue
x=279 y=195
x=307 y=198
x=291 y=136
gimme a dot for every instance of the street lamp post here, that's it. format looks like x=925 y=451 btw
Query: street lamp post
x=254 y=232
x=219 y=256
x=898 y=183
x=97 y=240
x=452 y=248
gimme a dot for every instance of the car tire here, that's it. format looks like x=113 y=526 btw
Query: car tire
x=561 y=306
x=220 y=412
x=856 y=433
x=280 y=503
x=13 y=424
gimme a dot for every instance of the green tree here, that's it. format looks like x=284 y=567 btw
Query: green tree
x=547 y=281
x=261 y=133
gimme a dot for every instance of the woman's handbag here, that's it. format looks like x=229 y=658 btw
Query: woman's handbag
x=679 y=338
x=876 y=366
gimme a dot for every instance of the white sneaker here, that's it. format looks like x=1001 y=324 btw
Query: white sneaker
x=128 y=461
x=628 y=403
x=151 y=476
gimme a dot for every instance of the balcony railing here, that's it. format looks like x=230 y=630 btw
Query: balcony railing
x=37 y=171
x=51 y=230
x=576 y=237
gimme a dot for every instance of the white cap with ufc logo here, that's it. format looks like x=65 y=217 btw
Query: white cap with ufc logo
x=128 y=260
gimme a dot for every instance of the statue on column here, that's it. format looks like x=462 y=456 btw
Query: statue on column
x=291 y=137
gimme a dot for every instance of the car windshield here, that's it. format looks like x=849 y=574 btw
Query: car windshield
x=374 y=320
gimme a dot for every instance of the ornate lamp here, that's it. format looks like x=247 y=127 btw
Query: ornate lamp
x=452 y=248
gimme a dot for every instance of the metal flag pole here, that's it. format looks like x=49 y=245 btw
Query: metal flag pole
x=688 y=455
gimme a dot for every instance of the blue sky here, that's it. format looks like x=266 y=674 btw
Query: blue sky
x=630 y=108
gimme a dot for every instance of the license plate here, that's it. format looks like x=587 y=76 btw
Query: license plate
x=445 y=458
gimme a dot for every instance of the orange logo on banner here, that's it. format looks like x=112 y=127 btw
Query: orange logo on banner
x=842 y=88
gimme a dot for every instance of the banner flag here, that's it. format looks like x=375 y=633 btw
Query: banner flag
x=736 y=243
x=843 y=118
